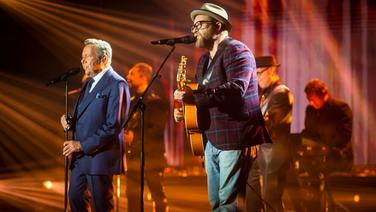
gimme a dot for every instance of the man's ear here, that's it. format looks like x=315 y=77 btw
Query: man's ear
x=103 y=59
x=219 y=26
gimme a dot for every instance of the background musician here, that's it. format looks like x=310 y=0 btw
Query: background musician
x=156 y=115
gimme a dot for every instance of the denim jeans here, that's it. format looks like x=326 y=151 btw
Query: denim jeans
x=223 y=168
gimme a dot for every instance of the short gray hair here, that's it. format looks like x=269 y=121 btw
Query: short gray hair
x=103 y=48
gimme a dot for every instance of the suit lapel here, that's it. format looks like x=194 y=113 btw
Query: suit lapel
x=79 y=99
x=85 y=102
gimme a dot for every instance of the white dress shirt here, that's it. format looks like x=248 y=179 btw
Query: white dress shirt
x=97 y=78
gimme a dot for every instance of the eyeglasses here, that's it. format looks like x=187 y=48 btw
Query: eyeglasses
x=262 y=71
x=198 y=25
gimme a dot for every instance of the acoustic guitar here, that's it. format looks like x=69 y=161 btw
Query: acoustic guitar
x=194 y=124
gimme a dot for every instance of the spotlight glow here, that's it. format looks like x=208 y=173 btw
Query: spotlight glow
x=356 y=198
x=48 y=184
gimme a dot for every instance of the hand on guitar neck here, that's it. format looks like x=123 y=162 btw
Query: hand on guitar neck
x=185 y=95
x=181 y=96
x=178 y=105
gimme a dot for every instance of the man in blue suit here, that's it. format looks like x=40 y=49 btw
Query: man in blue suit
x=96 y=150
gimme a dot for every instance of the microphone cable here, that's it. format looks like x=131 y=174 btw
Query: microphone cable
x=260 y=198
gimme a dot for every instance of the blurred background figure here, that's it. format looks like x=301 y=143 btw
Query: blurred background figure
x=328 y=122
x=326 y=149
x=156 y=115
x=276 y=103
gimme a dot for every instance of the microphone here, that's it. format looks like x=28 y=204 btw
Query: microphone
x=64 y=76
x=171 y=41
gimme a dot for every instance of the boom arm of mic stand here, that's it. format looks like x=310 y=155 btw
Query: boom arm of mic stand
x=141 y=106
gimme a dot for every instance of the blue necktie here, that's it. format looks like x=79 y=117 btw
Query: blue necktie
x=89 y=82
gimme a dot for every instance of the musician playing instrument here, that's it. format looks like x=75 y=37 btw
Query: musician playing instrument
x=328 y=121
x=276 y=102
x=227 y=80
x=156 y=114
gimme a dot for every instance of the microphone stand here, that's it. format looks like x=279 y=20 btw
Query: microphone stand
x=64 y=78
x=141 y=106
x=65 y=157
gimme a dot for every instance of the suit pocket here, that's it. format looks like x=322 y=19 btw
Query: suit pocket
x=100 y=104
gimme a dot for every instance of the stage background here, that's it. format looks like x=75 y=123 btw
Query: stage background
x=333 y=40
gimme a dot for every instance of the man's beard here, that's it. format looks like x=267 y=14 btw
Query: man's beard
x=202 y=42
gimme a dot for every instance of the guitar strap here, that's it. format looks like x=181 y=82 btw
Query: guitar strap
x=209 y=70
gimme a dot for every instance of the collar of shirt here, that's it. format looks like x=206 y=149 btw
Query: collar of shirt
x=97 y=78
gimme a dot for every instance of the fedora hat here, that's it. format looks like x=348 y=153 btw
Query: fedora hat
x=214 y=11
x=266 y=61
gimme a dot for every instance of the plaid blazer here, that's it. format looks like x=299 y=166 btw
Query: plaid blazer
x=231 y=96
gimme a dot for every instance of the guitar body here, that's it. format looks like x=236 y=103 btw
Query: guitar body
x=195 y=119
x=197 y=141
x=191 y=112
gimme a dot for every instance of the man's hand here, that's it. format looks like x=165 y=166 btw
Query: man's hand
x=178 y=95
x=65 y=122
x=178 y=114
x=128 y=136
x=70 y=147
x=185 y=95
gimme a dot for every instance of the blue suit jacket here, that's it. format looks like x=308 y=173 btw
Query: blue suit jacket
x=97 y=125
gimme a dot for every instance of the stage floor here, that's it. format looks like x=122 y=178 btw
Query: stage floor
x=42 y=190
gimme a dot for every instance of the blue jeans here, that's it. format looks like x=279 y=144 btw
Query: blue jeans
x=223 y=169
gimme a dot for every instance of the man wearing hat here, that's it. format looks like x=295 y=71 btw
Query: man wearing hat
x=227 y=79
x=276 y=103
